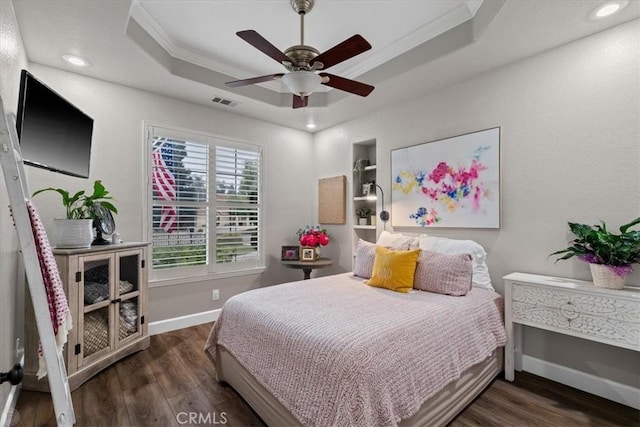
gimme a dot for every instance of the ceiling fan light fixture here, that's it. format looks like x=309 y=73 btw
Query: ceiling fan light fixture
x=302 y=83
x=301 y=61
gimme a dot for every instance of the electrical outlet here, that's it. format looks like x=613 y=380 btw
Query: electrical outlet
x=215 y=294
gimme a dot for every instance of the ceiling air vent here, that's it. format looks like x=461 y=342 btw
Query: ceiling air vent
x=223 y=101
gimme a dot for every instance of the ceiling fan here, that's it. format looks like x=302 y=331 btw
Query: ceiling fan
x=302 y=62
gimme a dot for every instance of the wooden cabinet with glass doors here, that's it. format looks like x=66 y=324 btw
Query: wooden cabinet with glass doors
x=106 y=287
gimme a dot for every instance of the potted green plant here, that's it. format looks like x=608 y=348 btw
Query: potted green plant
x=358 y=168
x=76 y=230
x=610 y=255
x=363 y=215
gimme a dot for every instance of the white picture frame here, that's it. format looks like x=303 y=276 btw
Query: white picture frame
x=307 y=254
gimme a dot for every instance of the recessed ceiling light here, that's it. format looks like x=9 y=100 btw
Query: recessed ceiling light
x=311 y=125
x=608 y=9
x=76 y=60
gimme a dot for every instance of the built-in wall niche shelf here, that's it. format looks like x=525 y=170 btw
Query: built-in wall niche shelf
x=364 y=199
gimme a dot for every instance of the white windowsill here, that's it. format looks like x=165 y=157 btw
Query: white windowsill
x=157 y=283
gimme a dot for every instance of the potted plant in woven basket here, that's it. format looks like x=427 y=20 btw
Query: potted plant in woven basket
x=610 y=255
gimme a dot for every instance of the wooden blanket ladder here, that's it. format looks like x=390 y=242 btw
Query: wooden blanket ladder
x=13 y=169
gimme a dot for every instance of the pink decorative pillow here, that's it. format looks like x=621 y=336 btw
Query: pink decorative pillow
x=444 y=274
x=365 y=255
x=481 y=278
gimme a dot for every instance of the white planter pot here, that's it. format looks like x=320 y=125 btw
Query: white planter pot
x=604 y=277
x=362 y=221
x=72 y=233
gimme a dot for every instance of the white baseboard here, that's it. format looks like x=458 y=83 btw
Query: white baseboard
x=9 y=407
x=176 y=323
x=590 y=383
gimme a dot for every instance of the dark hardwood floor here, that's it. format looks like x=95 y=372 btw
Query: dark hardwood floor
x=163 y=385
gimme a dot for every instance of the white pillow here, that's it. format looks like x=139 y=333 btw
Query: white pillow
x=397 y=241
x=481 y=278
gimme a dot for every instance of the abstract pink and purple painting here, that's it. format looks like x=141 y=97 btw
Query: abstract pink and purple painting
x=453 y=182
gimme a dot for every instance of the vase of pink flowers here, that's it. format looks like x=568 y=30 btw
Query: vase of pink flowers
x=313 y=237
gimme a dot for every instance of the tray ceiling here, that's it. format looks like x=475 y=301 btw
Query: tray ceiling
x=188 y=49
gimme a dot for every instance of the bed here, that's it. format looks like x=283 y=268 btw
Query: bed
x=333 y=351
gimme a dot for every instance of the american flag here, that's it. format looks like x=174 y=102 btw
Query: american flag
x=164 y=183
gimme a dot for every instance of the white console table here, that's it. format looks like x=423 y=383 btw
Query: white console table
x=571 y=307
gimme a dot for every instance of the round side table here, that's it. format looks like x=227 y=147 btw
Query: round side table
x=308 y=266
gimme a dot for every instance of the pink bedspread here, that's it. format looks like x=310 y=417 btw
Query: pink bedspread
x=337 y=352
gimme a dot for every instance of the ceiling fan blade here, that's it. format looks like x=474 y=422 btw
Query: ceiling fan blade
x=254 y=80
x=349 y=48
x=260 y=43
x=347 y=85
x=300 y=102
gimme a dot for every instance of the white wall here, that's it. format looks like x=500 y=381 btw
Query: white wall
x=570 y=152
x=12 y=60
x=117 y=159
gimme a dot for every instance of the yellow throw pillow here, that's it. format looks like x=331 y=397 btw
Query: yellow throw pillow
x=394 y=269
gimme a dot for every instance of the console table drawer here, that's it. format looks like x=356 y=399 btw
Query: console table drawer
x=605 y=318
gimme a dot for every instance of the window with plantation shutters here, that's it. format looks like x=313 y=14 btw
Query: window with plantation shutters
x=237 y=204
x=204 y=204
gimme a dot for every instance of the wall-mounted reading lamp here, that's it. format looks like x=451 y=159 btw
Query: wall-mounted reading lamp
x=384 y=215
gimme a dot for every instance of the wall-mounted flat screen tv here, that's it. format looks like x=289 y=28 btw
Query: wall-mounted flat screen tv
x=53 y=134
